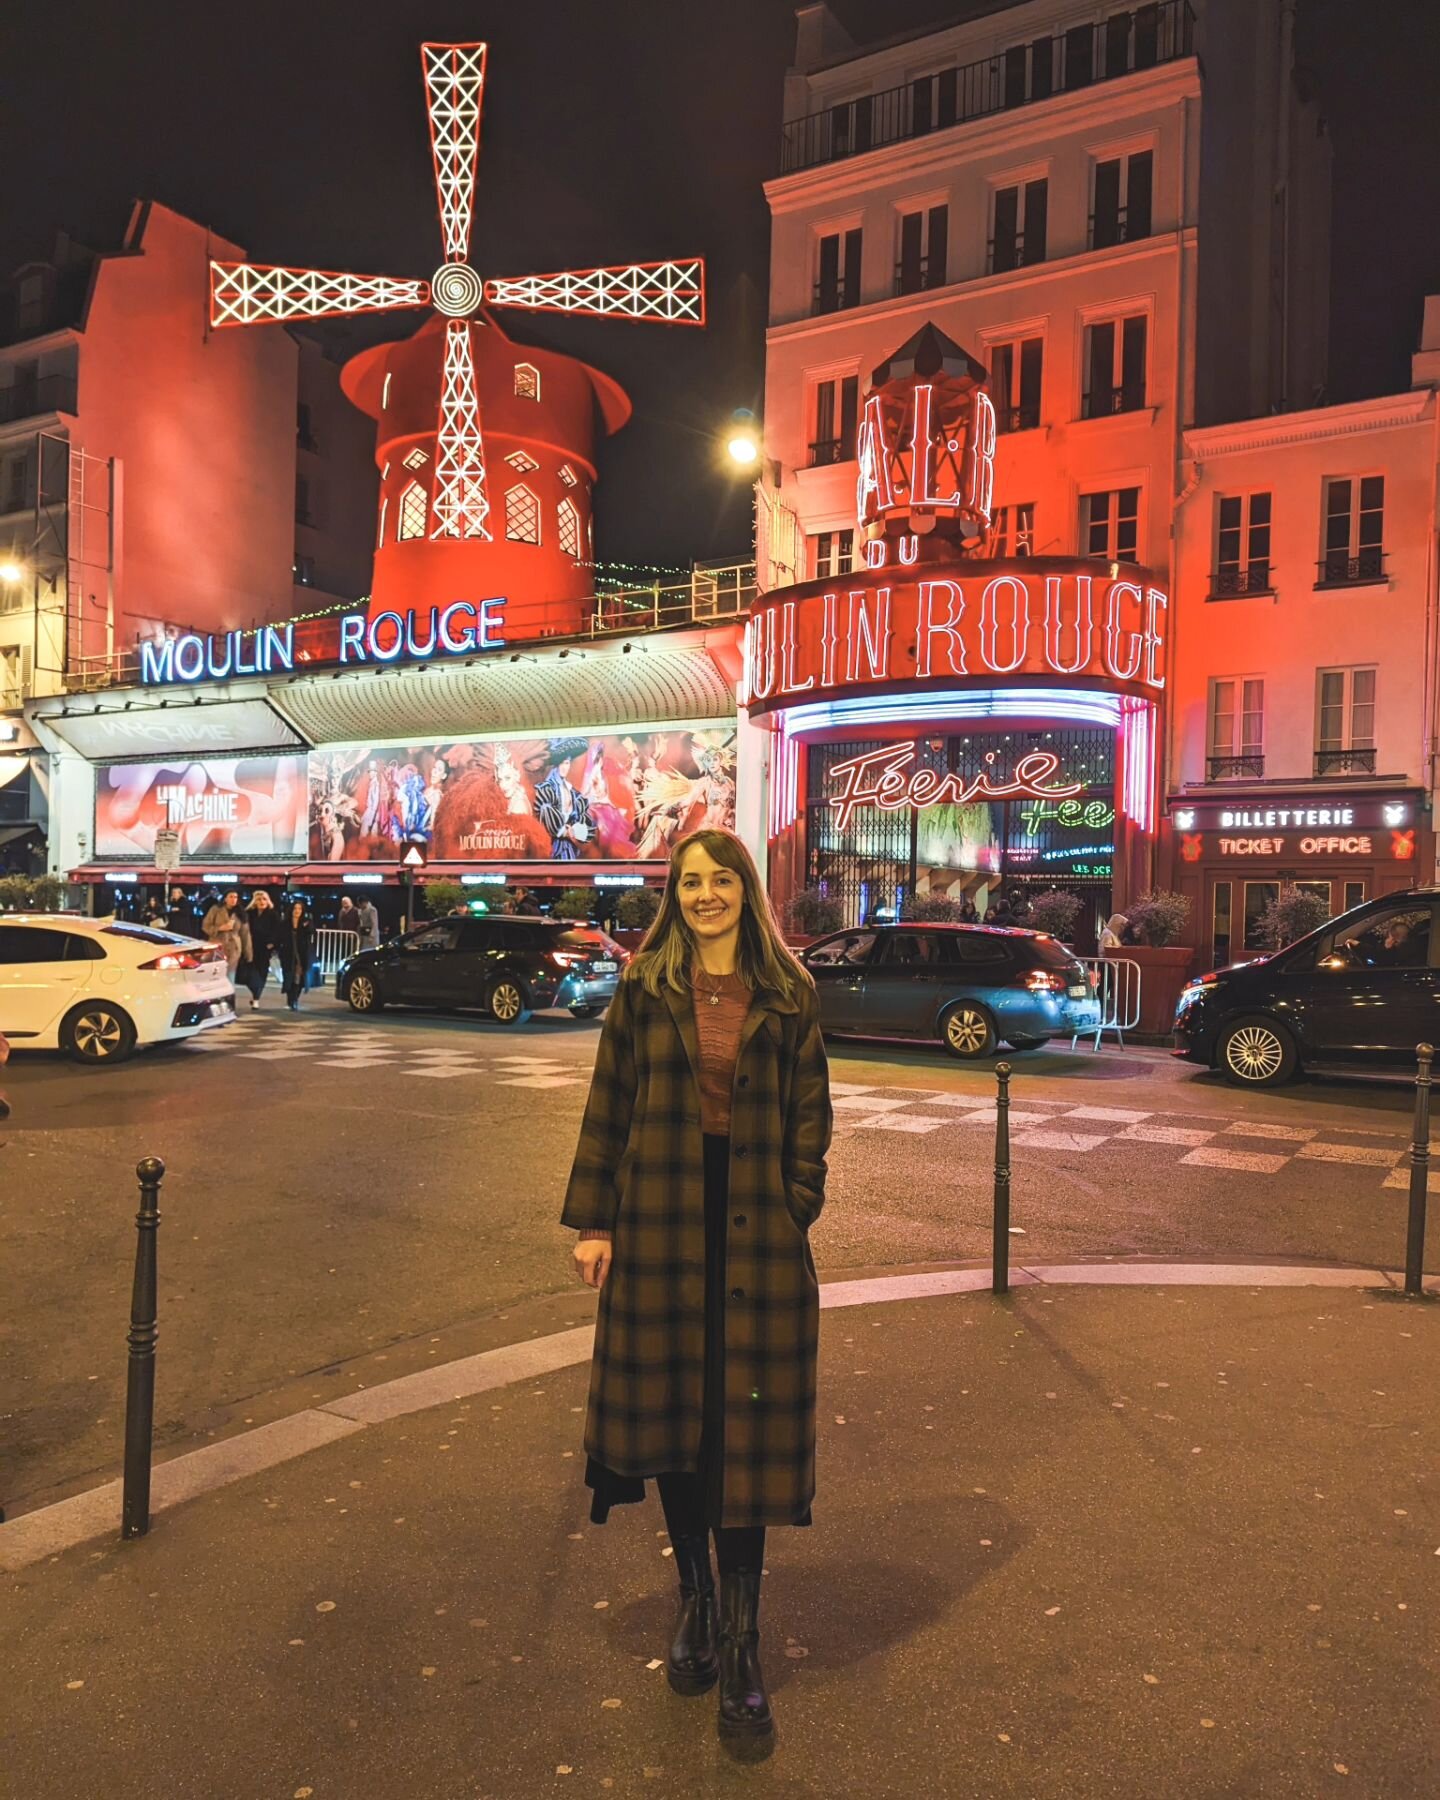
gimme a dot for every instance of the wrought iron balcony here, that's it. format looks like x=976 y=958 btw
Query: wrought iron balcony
x=1345 y=762
x=915 y=277
x=1102 y=402
x=1123 y=226
x=1006 y=253
x=829 y=450
x=1130 y=40
x=1338 y=568
x=1229 y=584
x=1017 y=418
x=834 y=296
x=1249 y=767
x=32 y=399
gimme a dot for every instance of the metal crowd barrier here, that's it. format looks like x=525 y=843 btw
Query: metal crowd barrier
x=1116 y=981
x=332 y=946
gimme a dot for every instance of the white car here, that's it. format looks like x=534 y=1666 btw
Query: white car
x=96 y=988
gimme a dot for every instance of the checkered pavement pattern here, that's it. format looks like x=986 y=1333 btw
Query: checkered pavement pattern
x=1249 y=1147
x=339 y=1044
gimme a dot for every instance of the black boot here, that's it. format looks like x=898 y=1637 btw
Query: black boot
x=744 y=1706
x=692 y=1667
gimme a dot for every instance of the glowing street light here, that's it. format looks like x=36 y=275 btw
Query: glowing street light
x=11 y=571
x=743 y=448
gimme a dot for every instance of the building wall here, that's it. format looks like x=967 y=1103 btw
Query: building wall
x=338 y=466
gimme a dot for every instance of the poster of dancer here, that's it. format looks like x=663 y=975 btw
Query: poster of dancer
x=623 y=797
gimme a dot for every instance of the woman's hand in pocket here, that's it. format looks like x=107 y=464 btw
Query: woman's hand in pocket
x=592 y=1260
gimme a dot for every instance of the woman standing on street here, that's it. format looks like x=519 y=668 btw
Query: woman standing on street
x=225 y=925
x=264 y=932
x=296 y=944
x=703 y=1147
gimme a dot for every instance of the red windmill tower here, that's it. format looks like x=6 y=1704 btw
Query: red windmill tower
x=486 y=448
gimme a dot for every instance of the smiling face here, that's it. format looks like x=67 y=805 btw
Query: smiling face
x=712 y=897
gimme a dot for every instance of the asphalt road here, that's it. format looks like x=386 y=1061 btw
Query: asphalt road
x=344 y=1191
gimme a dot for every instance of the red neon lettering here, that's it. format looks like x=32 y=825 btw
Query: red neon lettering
x=1018 y=625
x=761 y=682
x=874 y=779
x=1155 y=603
x=980 y=456
x=788 y=646
x=873 y=453
x=954 y=647
x=870 y=632
x=829 y=638
x=1068 y=643
x=1115 y=632
x=922 y=492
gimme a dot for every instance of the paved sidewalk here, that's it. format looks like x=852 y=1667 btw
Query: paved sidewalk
x=1131 y=1540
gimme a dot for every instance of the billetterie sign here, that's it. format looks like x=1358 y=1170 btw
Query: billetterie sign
x=459 y=629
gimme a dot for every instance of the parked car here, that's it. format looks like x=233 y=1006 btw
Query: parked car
x=1359 y=993
x=968 y=985
x=97 y=988
x=507 y=967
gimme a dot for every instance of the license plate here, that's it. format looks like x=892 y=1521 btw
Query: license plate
x=1080 y=993
x=604 y=968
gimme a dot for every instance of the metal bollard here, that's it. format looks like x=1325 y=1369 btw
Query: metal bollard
x=1419 y=1174
x=140 y=1382
x=1000 y=1225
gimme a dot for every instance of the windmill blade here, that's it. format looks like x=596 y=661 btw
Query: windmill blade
x=673 y=292
x=256 y=293
x=458 y=503
x=454 y=83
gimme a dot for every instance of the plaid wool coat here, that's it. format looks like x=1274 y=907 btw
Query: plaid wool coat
x=639 y=1173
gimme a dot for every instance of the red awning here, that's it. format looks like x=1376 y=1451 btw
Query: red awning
x=558 y=874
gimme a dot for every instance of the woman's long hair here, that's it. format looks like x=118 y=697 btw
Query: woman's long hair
x=763 y=960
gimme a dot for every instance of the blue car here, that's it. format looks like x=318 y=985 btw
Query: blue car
x=970 y=986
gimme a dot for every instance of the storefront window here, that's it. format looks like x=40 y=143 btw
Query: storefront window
x=1354 y=895
x=1259 y=894
x=1220 y=923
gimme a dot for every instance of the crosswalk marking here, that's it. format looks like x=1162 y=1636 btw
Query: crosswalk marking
x=1058 y=1140
x=899 y=1122
x=1254 y=1161
x=1292 y=1133
x=1163 y=1134
x=1370 y=1154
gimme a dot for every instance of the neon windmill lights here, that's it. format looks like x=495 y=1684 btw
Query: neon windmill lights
x=257 y=294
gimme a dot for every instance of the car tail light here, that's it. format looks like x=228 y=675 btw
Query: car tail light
x=178 y=959
x=567 y=959
x=1045 y=981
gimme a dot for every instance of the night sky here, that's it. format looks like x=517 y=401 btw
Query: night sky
x=612 y=132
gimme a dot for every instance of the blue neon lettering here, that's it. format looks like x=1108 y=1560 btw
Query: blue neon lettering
x=352 y=636
x=189 y=649
x=219 y=670
x=490 y=635
x=412 y=643
x=157 y=661
x=279 y=647
x=372 y=640
x=466 y=640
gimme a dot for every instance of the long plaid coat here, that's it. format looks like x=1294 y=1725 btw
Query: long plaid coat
x=639 y=1172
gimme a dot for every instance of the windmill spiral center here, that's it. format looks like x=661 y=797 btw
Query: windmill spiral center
x=456 y=290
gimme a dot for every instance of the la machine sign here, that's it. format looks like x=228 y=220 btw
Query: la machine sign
x=459 y=629
x=1024 y=616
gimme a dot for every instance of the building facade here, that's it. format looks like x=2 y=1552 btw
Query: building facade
x=1303 y=688
x=1034 y=185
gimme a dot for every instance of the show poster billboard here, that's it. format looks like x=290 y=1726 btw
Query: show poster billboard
x=222 y=807
x=625 y=797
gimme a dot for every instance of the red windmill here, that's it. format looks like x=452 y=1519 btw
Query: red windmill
x=458 y=500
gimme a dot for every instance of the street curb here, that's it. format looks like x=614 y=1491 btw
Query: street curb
x=48 y=1530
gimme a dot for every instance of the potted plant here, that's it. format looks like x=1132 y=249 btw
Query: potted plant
x=1291 y=915
x=1158 y=919
x=1055 y=912
x=577 y=904
x=931 y=909
x=32 y=893
x=811 y=914
x=441 y=897
x=634 y=914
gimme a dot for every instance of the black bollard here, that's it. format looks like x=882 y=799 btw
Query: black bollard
x=1419 y=1174
x=140 y=1382
x=1000 y=1240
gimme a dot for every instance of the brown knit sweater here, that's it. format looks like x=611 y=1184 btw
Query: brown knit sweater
x=717 y=1028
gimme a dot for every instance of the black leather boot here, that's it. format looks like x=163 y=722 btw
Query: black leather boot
x=692 y=1666
x=744 y=1705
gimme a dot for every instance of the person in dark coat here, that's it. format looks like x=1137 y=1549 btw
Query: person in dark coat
x=296 y=947
x=703 y=1148
x=264 y=940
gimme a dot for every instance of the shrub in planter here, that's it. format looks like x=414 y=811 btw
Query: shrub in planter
x=1054 y=911
x=637 y=909
x=31 y=893
x=931 y=909
x=441 y=897
x=1292 y=914
x=574 y=903
x=1159 y=917
x=811 y=913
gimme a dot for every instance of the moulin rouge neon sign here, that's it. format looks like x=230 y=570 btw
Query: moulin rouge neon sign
x=948 y=466
x=876 y=779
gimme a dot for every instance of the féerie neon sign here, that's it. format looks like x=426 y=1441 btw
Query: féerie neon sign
x=876 y=779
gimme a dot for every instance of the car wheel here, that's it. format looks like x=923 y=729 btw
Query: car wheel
x=1257 y=1053
x=98 y=1033
x=1027 y=1043
x=968 y=1031
x=583 y=1012
x=505 y=1003
x=363 y=994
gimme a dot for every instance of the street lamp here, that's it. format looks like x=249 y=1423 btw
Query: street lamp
x=742 y=444
x=743 y=448
x=11 y=572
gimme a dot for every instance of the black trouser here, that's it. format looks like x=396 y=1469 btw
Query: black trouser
x=690 y=1499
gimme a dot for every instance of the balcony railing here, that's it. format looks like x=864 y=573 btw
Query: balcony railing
x=1249 y=767
x=1229 y=584
x=1132 y=39
x=1345 y=762
x=1017 y=418
x=834 y=296
x=1338 y=568
x=1102 y=402
x=829 y=450
x=32 y=399
x=916 y=277
x=1006 y=253
x=1124 y=226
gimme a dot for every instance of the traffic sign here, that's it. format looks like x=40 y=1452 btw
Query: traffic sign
x=167 y=849
x=414 y=858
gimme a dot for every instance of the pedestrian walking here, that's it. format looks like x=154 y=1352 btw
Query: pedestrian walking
x=264 y=923
x=368 y=924
x=180 y=914
x=225 y=924
x=710 y=1092
x=296 y=946
x=348 y=917
x=1112 y=938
